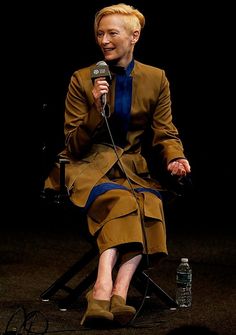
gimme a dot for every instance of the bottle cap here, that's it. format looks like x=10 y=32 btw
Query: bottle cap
x=184 y=260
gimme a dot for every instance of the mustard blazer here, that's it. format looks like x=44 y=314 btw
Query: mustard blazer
x=91 y=159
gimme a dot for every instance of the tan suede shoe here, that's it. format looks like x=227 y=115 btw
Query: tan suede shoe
x=122 y=313
x=97 y=313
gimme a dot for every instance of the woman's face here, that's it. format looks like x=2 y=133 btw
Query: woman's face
x=115 y=40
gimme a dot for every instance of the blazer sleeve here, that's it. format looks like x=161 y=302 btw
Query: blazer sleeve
x=165 y=135
x=81 y=117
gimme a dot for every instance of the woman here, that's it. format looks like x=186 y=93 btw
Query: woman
x=110 y=177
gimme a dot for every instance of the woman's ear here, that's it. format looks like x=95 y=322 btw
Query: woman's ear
x=135 y=36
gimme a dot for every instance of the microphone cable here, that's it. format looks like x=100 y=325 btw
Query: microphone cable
x=141 y=215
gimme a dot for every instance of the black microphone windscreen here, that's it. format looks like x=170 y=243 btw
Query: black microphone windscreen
x=101 y=69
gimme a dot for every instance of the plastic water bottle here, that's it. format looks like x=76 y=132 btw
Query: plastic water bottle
x=184 y=284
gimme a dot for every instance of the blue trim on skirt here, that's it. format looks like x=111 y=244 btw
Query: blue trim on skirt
x=104 y=187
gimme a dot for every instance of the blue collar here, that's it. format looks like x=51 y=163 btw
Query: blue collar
x=119 y=70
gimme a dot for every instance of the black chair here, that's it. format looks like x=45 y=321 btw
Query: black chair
x=61 y=200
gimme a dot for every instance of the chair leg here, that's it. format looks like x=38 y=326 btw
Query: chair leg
x=138 y=281
x=141 y=277
x=63 y=304
x=61 y=282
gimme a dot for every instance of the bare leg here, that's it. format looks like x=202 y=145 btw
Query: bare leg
x=103 y=285
x=124 y=276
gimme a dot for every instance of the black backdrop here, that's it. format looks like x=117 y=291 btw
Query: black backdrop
x=191 y=42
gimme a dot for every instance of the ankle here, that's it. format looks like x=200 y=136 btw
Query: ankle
x=123 y=296
x=102 y=292
x=120 y=291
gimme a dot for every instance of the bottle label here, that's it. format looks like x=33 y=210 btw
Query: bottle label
x=183 y=278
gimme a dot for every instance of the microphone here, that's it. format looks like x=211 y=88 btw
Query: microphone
x=101 y=70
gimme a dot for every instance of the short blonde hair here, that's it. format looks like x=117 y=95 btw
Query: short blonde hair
x=135 y=19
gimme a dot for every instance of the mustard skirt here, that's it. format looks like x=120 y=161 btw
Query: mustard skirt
x=123 y=217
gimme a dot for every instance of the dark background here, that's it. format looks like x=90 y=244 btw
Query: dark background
x=191 y=42
x=42 y=44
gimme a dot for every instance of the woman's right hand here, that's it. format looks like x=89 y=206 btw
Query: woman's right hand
x=100 y=88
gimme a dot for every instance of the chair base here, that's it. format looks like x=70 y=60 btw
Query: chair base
x=61 y=283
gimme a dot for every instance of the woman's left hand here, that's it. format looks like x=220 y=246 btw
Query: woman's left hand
x=179 y=167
